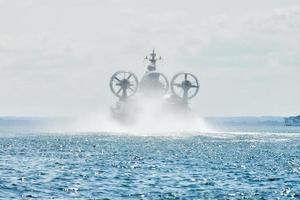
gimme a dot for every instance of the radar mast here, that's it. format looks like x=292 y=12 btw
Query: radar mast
x=152 y=59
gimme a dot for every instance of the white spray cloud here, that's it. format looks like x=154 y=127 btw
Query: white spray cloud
x=150 y=117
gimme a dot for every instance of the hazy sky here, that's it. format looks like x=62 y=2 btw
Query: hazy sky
x=56 y=56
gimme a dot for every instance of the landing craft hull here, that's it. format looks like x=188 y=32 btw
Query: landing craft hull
x=128 y=112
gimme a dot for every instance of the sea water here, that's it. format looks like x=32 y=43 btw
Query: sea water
x=99 y=165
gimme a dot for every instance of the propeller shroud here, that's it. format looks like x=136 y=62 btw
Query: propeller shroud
x=185 y=86
x=155 y=81
x=124 y=84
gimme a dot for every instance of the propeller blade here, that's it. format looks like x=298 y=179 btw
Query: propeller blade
x=130 y=89
x=118 y=92
x=177 y=84
x=129 y=76
x=185 y=77
x=117 y=78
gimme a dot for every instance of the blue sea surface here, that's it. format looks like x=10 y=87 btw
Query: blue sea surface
x=239 y=165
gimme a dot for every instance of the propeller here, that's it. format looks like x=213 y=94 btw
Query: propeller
x=185 y=86
x=155 y=82
x=124 y=84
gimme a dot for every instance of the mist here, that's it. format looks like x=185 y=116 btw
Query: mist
x=145 y=117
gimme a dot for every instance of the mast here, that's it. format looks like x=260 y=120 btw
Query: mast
x=152 y=59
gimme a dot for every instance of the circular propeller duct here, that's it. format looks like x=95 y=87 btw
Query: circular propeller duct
x=185 y=85
x=155 y=82
x=123 y=84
